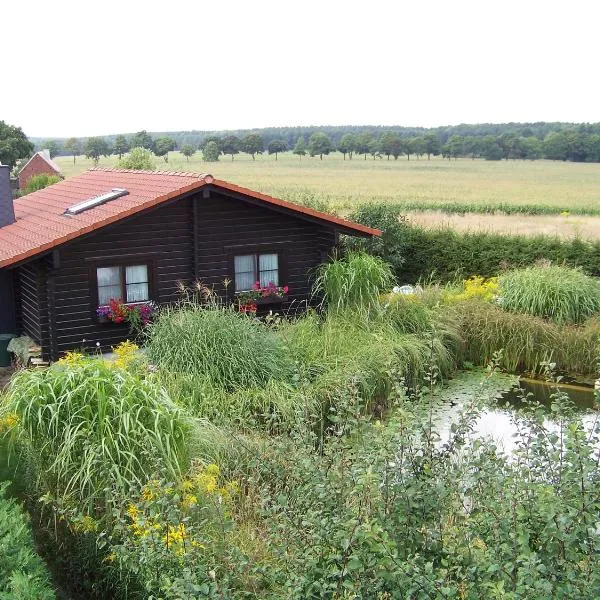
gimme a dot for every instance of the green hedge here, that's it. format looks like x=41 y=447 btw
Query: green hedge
x=416 y=253
x=23 y=575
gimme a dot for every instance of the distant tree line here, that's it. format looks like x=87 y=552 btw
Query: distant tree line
x=529 y=141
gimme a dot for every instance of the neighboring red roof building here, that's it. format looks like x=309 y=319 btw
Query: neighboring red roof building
x=39 y=163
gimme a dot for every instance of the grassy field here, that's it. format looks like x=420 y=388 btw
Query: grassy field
x=560 y=185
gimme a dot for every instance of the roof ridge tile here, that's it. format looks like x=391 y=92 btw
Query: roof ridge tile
x=149 y=172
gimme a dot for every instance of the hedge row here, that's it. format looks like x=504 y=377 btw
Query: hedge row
x=23 y=575
x=417 y=253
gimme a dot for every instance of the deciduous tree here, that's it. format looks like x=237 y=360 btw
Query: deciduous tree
x=432 y=145
x=276 y=146
x=162 y=147
x=362 y=143
x=141 y=139
x=13 y=144
x=121 y=146
x=230 y=145
x=391 y=144
x=95 y=147
x=300 y=147
x=73 y=146
x=188 y=150
x=346 y=145
x=210 y=152
x=138 y=158
x=53 y=147
x=319 y=144
x=253 y=144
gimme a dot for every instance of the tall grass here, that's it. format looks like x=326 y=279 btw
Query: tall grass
x=526 y=340
x=353 y=282
x=226 y=349
x=92 y=430
x=562 y=294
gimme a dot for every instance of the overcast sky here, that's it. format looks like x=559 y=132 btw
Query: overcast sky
x=93 y=68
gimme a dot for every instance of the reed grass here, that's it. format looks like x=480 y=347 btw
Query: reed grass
x=525 y=340
x=219 y=347
x=355 y=281
x=94 y=431
x=562 y=294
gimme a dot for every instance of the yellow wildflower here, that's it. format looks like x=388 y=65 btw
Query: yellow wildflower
x=189 y=500
x=147 y=494
x=71 y=359
x=207 y=483
x=126 y=353
x=9 y=421
x=85 y=524
x=111 y=557
x=133 y=512
x=175 y=534
x=187 y=485
x=212 y=470
x=479 y=544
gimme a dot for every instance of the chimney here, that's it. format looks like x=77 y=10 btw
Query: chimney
x=7 y=210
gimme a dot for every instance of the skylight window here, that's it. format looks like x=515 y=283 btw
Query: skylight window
x=95 y=201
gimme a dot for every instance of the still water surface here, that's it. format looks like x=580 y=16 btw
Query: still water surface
x=504 y=401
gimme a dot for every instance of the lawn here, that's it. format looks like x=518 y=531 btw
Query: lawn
x=473 y=184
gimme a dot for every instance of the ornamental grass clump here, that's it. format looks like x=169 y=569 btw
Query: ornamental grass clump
x=227 y=349
x=354 y=282
x=92 y=430
x=561 y=294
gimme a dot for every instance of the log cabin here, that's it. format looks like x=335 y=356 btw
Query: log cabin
x=139 y=236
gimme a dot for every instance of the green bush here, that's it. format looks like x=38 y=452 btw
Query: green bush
x=417 y=253
x=39 y=182
x=23 y=575
x=561 y=294
x=92 y=430
x=226 y=349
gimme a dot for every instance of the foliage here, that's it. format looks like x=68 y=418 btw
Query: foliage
x=54 y=147
x=73 y=146
x=121 y=146
x=139 y=159
x=137 y=315
x=162 y=147
x=276 y=146
x=475 y=287
x=141 y=139
x=13 y=144
x=319 y=144
x=230 y=145
x=347 y=144
x=526 y=341
x=252 y=144
x=92 y=430
x=224 y=347
x=446 y=253
x=210 y=153
x=39 y=182
x=355 y=281
x=188 y=150
x=562 y=294
x=300 y=146
x=95 y=147
x=23 y=575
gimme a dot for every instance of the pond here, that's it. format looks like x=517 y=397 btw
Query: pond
x=503 y=400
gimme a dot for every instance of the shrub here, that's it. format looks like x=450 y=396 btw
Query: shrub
x=138 y=158
x=93 y=430
x=416 y=253
x=355 y=281
x=562 y=294
x=39 y=182
x=23 y=575
x=227 y=349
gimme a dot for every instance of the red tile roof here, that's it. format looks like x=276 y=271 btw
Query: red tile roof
x=42 y=225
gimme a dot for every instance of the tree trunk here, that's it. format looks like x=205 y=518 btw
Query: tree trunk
x=321 y=157
x=428 y=156
x=73 y=159
x=408 y=156
x=365 y=156
x=275 y=155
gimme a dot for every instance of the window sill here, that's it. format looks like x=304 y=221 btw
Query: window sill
x=265 y=301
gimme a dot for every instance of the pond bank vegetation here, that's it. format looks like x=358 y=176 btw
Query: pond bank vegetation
x=297 y=458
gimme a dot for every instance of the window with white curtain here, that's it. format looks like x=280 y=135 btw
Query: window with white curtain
x=128 y=283
x=250 y=268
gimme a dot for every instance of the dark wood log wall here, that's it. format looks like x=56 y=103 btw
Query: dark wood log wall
x=192 y=238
